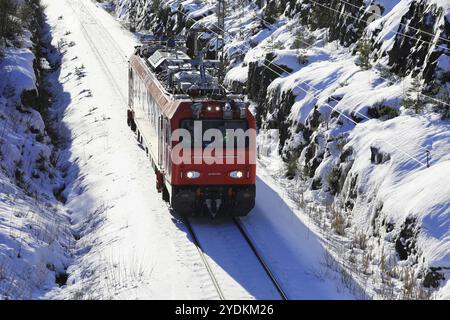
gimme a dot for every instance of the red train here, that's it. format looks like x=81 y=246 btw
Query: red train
x=170 y=94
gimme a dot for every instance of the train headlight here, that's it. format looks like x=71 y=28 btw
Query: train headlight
x=192 y=174
x=227 y=111
x=236 y=174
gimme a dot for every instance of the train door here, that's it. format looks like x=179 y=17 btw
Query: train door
x=160 y=141
x=168 y=147
x=130 y=86
x=164 y=149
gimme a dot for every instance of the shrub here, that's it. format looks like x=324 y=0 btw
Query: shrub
x=41 y=162
x=278 y=46
x=360 y=240
x=382 y=111
x=338 y=222
x=292 y=165
x=415 y=104
x=386 y=73
x=388 y=112
x=302 y=58
x=333 y=180
x=18 y=174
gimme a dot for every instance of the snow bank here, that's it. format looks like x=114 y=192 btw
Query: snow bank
x=17 y=70
x=33 y=229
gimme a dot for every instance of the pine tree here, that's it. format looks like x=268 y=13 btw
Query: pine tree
x=319 y=16
x=301 y=41
x=132 y=18
x=156 y=6
x=412 y=98
x=364 y=50
x=270 y=12
x=8 y=27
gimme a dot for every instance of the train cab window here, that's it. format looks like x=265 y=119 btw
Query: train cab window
x=223 y=125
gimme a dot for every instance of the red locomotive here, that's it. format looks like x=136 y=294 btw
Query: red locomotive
x=170 y=92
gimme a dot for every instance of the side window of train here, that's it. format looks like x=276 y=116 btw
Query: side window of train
x=149 y=106
x=144 y=96
x=137 y=90
x=136 y=78
x=168 y=132
x=130 y=85
x=152 y=107
x=136 y=87
x=143 y=91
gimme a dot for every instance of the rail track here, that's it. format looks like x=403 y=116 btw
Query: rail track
x=264 y=265
x=241 y=228
x=94 y=48
x=204 y=259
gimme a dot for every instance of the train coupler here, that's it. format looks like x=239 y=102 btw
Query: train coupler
x=213 y=207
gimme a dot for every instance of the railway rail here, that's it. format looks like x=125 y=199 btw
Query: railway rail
x=242 y=230
x=261 y=260
x=204 y=259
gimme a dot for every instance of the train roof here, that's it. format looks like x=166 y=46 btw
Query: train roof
x=177 y=72
x=172 y=77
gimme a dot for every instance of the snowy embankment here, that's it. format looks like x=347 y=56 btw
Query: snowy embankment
x=375 y=172
x=34 y=237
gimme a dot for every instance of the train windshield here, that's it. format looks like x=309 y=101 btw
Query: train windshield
x=228 y=129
